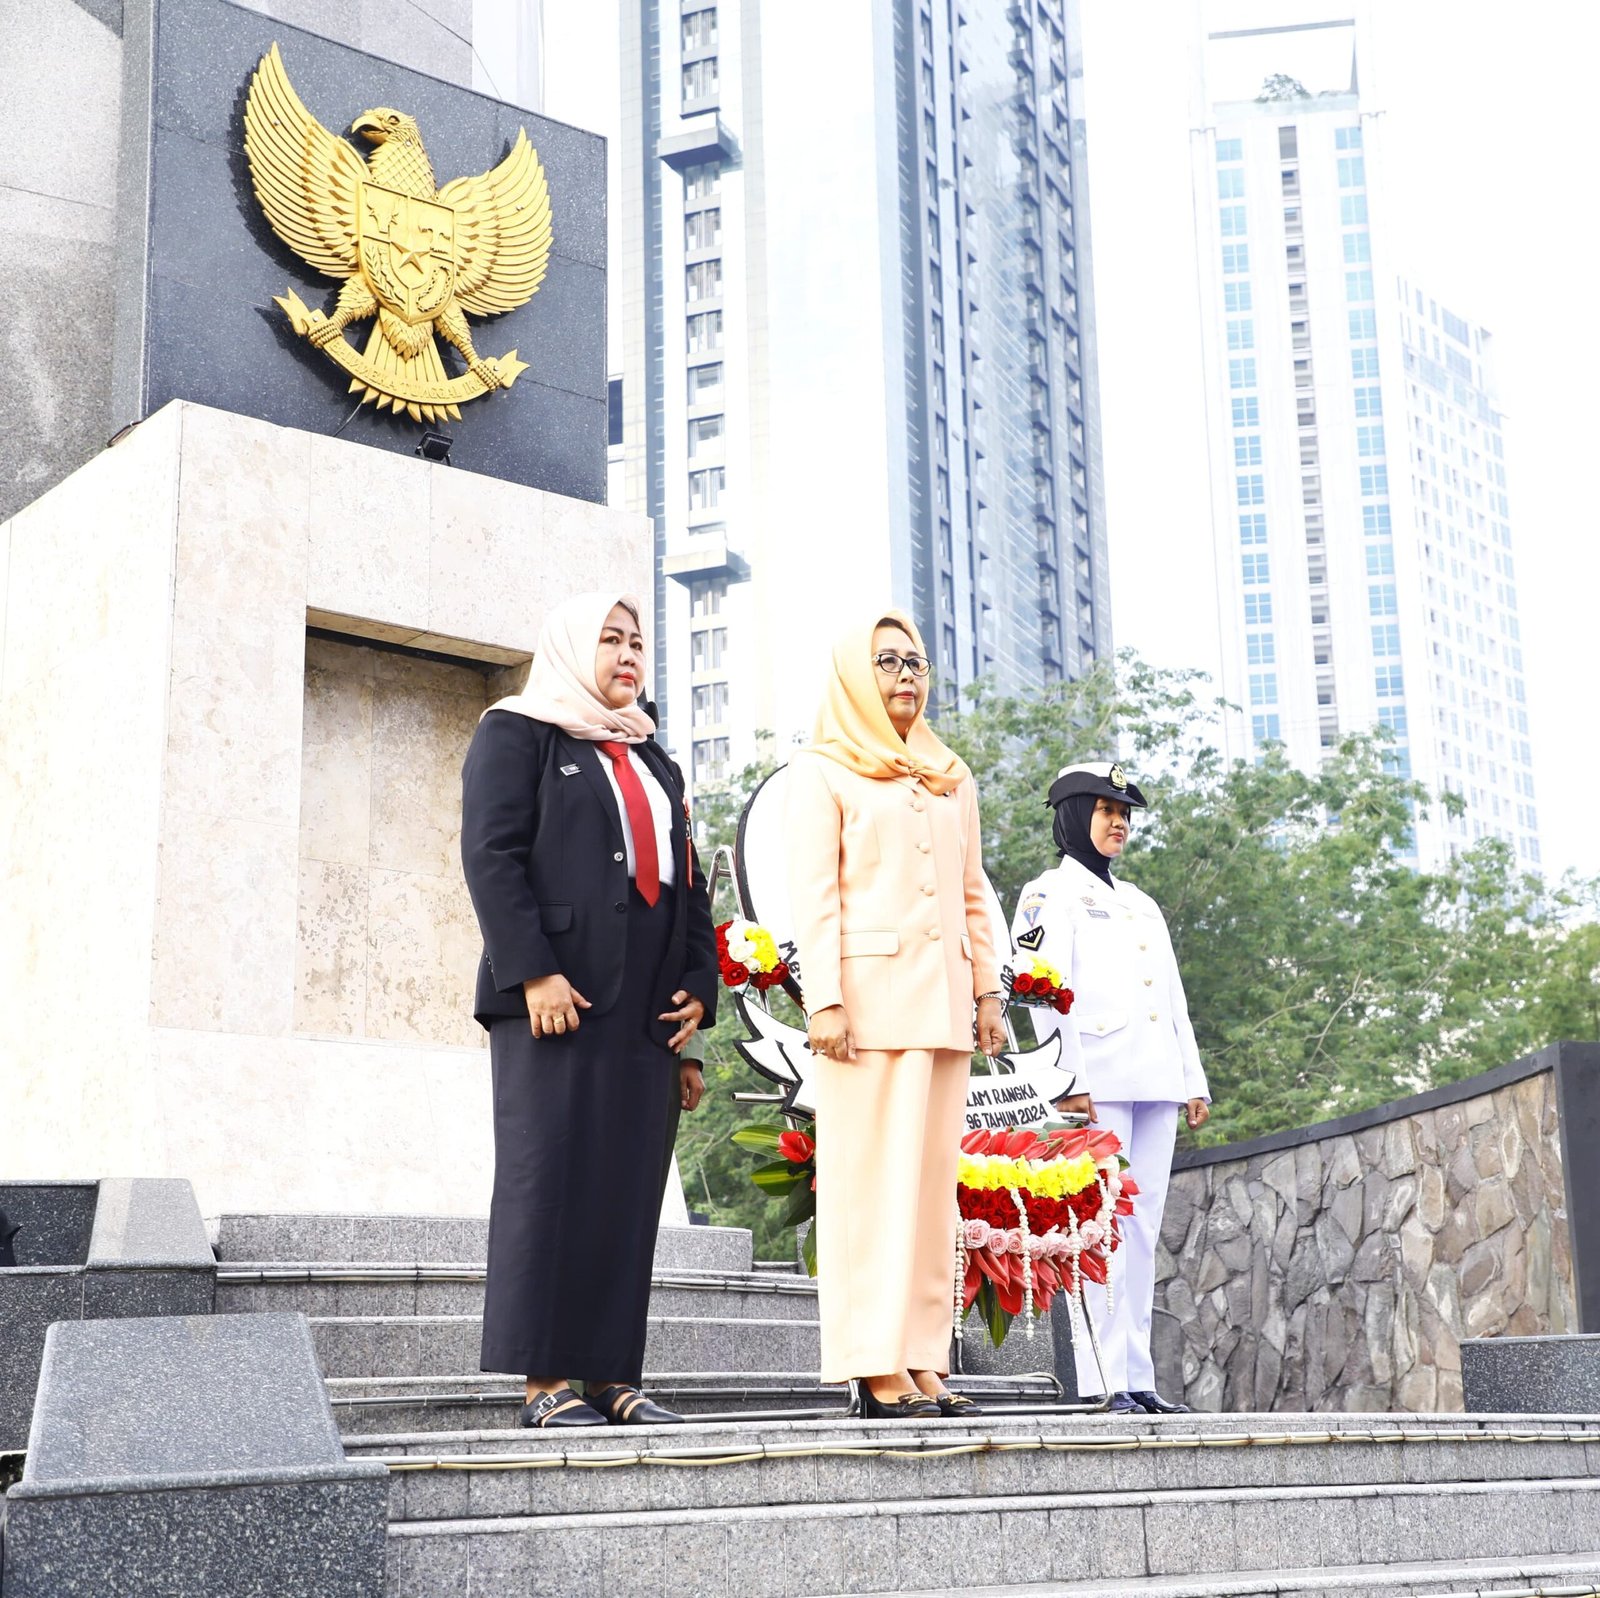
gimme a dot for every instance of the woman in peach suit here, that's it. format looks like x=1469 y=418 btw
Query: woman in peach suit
x=890 y=918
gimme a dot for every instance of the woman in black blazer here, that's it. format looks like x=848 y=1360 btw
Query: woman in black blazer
x=599 y=965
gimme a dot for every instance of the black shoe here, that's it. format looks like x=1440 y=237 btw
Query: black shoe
x=1121 y=1403
x=627 y=1406
x=956 y=1404
x=564 y=1408
x=909 y=1406
x=1155 y=1404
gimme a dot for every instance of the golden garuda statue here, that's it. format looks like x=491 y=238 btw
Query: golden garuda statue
x=418 y=256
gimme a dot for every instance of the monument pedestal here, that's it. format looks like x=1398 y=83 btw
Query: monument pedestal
x=240 y=666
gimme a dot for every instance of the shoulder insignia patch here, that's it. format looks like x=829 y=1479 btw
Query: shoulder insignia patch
x=1031 y=939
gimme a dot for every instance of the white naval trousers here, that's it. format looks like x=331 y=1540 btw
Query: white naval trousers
x=1149 y=1133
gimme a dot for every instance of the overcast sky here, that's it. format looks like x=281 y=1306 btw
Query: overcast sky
x=1492 y=146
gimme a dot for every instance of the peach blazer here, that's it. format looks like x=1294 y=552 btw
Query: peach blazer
x=888 y=899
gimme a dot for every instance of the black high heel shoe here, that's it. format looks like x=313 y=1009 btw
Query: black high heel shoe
x=956 y=1404
x=909 y=1406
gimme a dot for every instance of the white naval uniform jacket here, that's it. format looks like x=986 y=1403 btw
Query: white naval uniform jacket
x=1128 y=1034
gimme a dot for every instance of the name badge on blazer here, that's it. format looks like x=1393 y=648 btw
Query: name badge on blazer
x=570 y=771
x=1101 y=915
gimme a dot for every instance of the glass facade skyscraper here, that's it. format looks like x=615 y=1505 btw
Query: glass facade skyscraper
x=1360 y=511
x=854 y=347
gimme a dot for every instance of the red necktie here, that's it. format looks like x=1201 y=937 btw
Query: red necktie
x=646 y=868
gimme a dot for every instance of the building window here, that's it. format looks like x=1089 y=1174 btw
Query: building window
x=1235 y=297
x=1383 y=600
x=1233 y=222
x=1263 y=688
x=1235 y=259
x=1255 y=570
x=706 y=595
x=1242 y=372
x=1394 y=718
x=1242 y=334
x=1389 y=681
x=705 y=332
x=1347 y=138
x=705 y=383
x=705 y=488
x=702 y=230
x=1246 y=411
x=703 y=281
x=1363 y=363
x=710 y=701
x=1230 y=150
x=1251 y=488
x=707 y=648
x=1259 y=649
x=1369 y=438
x=1266 y=728
x=1369 y=402
x=1358 y=286
x=1352 y=172
x=699 y=31
x=614 y=412
x=1357 y=248
x=1353 y=210
x=1375 y=520
x=1253 y=528
x=705 y=437
x=1363 y=324
x=1230 y=183
x=710 y=759
x=1258 y=610
x=702 y=181
x=1380 y=560
x=1374 y=481
x=1247 y=449
x=700 y=81
x=1386 y=639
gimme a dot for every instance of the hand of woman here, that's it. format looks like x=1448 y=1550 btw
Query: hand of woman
x=1077 y=1104
x=691 y=1082
x=830 y=1034
x=553 y=1005
x=690 y=1011
x=991 y=1027
x=1197 y=1112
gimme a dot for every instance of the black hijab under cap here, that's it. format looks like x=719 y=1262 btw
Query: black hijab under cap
x=1074 y=794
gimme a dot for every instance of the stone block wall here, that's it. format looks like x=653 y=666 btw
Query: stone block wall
x=1339 y=1267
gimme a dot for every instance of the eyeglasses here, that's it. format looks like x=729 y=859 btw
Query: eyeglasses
x=892 y=663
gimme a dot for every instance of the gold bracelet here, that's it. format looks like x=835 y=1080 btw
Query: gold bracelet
x=996 y=995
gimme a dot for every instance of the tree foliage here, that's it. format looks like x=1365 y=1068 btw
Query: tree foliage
x=1324 y=973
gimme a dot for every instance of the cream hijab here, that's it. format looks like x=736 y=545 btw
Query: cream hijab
x=853 y=725
x=561 y=686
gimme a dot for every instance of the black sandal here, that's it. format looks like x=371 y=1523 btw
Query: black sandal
x=627 y=1406
x=559 y=1409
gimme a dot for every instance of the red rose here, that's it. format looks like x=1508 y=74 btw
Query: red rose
x=780 y=971
x=1062 y=1003
x=796 y=1146
x=734 y=973
x=1022 y=983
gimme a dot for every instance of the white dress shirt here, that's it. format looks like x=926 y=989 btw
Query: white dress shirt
x=660 y=811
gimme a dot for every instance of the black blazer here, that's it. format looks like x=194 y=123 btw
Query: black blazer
x=543 y=853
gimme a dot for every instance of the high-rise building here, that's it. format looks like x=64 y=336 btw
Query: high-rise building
x=852 y=346
x=1362 y=526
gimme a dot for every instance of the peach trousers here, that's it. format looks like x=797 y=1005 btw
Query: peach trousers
x=889 y=1126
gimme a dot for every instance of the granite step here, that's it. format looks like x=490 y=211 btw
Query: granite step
x=449 y=1345
x=726 y=1463
x=1560 y=1577
x=407 y=1239
x=399 y=1406
x=812 y=1550
x=376 y=1287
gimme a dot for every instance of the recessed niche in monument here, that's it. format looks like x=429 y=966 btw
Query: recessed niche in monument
x=386 y=943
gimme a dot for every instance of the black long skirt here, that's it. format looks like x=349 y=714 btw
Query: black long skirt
x=583 y=1131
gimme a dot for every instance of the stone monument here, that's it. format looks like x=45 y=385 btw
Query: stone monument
x=244 y=651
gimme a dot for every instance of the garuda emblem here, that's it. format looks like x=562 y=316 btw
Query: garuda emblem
x=417 y=256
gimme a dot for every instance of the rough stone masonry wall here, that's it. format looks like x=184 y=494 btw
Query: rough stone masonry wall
x=1344 y=1273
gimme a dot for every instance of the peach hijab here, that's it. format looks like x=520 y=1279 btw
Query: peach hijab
x=561 y=686
x=853 y=725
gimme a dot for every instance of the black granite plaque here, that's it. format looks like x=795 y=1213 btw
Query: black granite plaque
x=200 y=265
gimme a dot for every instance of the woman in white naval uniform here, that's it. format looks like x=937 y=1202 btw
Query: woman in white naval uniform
x=1129 y=1039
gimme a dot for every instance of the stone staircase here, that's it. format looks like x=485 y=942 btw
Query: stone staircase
x=771 y=1490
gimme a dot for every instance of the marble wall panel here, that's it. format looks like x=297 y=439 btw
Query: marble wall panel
x=330 y=972
x=336 y=762
x=422 y=960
